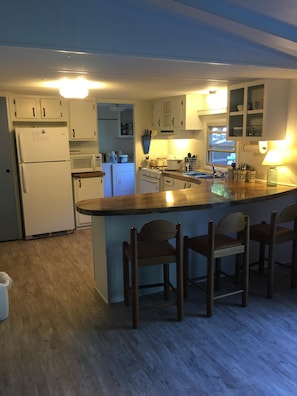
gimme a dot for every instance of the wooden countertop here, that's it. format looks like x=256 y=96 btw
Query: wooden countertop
x=207 y=194
x=82 y=175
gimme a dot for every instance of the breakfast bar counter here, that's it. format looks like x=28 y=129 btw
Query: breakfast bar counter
x=113 y=217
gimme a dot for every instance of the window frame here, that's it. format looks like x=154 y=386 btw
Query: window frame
x=209 y=150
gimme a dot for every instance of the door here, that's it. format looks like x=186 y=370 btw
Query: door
x=123 y=179
x=9 y=208
x=46 y=197
x=86 y=188
x=42 y=144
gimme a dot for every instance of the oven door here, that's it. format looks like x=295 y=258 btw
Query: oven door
x=149 y=184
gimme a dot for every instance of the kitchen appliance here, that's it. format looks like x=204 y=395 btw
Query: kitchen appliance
x=175 y=164
x=45 y=181
x=150 y=180
x=85 y=162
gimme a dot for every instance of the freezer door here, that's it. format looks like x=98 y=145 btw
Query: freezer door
x=42 y=144
x=46 y=198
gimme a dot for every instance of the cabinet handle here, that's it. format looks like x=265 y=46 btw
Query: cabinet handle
x=159 y=122
x=79 y=183
x=43 y=109
x=33 y=111
x=172 y=122
x=73 y=133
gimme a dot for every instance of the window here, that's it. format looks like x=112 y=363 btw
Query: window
x=220 y=151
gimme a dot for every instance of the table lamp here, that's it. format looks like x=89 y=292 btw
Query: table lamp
x=273 y=159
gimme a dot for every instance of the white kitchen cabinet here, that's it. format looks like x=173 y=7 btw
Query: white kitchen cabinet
x=82 y=120
x=53 y=109
x=172 y=183
x=177 y=113
x=86 y=188
x=180 y=184
x=123 y=179
x=28 y=108
x=157 y=114
x=168 y=183
x=263 y=115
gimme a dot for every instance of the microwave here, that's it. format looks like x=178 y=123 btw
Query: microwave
x=85 y=162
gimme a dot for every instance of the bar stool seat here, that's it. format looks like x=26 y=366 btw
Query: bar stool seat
x=276 y=232
x=218 y=243
x=151 y=247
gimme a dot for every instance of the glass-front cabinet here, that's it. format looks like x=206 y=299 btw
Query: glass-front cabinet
x=258 y=110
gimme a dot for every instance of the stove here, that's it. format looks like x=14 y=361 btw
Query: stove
x=154 y=173
x=150 y=179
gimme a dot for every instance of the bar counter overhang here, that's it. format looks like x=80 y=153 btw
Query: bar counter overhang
x=194 y=207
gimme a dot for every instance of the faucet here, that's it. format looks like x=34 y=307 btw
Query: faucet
x=214 y=172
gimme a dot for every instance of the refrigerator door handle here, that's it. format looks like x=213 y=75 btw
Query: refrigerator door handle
x=24 y=184
x=20 y=148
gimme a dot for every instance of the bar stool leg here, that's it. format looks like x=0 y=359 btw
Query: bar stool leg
x=270 y=280
x=166 y=281
x=210 y=286
x=294 y=265
x=186 y=266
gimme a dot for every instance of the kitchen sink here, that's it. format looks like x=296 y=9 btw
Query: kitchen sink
x=202 y=175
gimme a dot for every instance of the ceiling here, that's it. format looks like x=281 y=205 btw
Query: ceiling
x=267 y=23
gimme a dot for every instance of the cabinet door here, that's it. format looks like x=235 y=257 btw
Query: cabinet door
x=177 y=113
x=168 y=183
x=180 y=184
x=86 y=188
x=52 y=109
x=25 y=108
x=83 y=120
x=157 y=115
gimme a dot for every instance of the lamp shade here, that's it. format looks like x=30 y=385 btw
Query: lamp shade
x=273 y=158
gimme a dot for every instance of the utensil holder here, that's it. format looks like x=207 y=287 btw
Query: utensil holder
x=146 y=141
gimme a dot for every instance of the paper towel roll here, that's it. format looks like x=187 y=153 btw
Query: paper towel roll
x=260 y=147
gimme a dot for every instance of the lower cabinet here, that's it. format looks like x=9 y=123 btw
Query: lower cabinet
x=171 y=183
x=86 y=188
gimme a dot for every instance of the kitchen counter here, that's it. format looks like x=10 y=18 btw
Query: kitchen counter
x=209 y=193
x=82 y=175
x=113 y=217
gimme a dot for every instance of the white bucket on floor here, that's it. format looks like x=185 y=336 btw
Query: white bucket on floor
x=5 y=283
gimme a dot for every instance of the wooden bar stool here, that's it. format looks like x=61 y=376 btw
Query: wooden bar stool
x=151 y=247
x=230 y=237
x=274 y=234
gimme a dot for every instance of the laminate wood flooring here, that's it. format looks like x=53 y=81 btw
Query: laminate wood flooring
x=61 y=339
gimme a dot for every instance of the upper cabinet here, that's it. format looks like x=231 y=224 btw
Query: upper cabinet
x=258 y=110
x=177 y=113
x=29 y=108
x=82 y=120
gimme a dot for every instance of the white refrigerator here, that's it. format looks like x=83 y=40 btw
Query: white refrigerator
x=45 y=181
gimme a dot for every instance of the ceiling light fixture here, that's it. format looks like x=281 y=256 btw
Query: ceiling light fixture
x=77 y=88
x=117 y=108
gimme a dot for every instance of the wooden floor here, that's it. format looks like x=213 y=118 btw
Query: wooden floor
x=61 y=339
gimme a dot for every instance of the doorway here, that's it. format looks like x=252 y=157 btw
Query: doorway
x=116 y=129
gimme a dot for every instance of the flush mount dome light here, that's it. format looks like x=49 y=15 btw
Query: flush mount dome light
x=77 y=88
